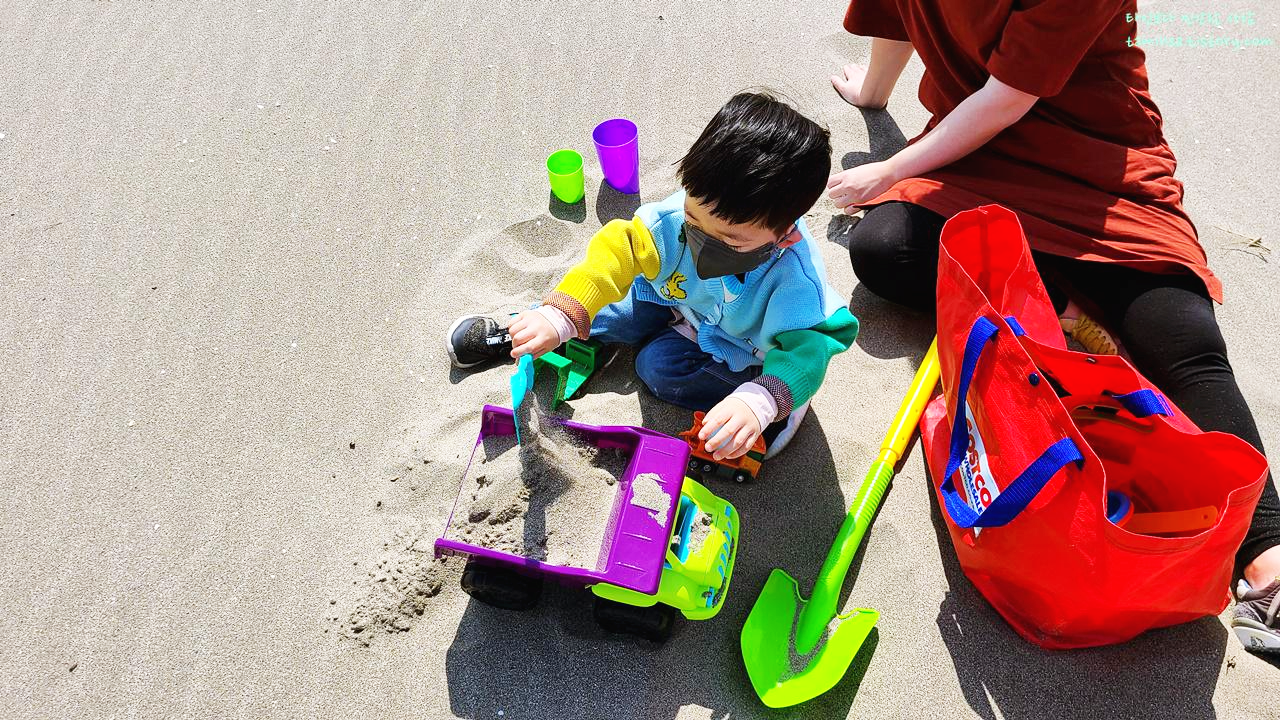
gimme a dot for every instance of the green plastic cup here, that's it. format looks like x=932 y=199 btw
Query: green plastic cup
x=564 y=169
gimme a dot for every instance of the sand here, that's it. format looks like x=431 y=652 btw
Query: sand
x=549 y=498
x=699 y=529
x=396 y=589
x=648 y=494
x=234 y=236
x=798 y=662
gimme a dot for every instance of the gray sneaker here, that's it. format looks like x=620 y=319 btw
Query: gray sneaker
x=1255 y=617
x=789 y=428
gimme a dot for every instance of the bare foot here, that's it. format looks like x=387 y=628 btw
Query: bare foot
x=849 y=85
x=1264 y=569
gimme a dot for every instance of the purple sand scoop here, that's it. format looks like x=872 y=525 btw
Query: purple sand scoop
x=618 y=147
x=635 y=541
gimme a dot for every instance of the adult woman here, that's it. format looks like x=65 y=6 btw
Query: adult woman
x=1042 y=106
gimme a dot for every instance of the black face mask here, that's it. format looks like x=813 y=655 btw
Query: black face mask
x=714 y=259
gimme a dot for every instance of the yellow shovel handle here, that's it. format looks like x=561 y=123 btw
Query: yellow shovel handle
x=904 y=423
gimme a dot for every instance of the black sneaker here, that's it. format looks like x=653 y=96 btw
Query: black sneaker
x=475 y=339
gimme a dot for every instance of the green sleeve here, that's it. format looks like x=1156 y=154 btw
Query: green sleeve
x=795 y=368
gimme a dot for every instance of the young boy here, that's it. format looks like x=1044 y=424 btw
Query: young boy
x=720 y=287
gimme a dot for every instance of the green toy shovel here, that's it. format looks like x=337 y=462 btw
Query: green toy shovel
x=797 y=649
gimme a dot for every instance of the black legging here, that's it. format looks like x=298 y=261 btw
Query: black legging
x=1165 y=322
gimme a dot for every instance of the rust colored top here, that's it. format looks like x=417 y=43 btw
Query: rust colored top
x=1087 y=169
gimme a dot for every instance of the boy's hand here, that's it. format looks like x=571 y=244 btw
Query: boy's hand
x=729 y=429
x=532 y=334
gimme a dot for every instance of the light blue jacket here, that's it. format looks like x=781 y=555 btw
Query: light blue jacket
x=737 y=321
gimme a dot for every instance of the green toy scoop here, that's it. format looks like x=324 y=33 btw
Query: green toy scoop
x=797 y=649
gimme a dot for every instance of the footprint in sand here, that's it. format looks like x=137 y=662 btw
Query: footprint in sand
x=524 y=257
x=542 y=236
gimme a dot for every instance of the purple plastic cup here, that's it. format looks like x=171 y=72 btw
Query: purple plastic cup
x=618 y=147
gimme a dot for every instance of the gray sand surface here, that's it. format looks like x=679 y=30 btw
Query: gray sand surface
x=234 y=235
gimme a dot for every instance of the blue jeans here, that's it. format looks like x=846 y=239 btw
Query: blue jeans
x=671 y=365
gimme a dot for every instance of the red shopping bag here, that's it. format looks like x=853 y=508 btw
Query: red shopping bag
x=1028 y=440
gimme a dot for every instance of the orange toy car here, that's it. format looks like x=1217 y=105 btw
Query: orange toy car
x=702 y=467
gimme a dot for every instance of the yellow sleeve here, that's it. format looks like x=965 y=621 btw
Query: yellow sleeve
x=619 y=252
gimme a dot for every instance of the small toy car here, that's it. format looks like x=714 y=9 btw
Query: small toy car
x=703 y=467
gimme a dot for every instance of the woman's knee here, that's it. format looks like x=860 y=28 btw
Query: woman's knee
x=894 y=252
x=1173 y=336
x=879 y=238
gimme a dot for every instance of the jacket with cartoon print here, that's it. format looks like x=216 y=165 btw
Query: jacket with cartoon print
x=783 y=314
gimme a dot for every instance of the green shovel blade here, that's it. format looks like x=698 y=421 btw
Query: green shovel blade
x=780 y=675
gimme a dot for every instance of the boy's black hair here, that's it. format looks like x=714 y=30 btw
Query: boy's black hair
x=759 y=161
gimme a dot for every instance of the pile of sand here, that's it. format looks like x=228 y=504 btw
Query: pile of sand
x=699 y=529
x=647 y=493
x=396 y=589
x=797 y=663
x=549 y=498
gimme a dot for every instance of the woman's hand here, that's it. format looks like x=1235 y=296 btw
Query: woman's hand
x=849 y=84
x=729 y=429
x=532 y=334
x=860 y=184
x=869 y=87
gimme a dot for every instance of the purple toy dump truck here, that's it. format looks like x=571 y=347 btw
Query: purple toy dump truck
x=669 y=544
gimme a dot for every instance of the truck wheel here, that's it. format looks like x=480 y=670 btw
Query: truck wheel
x=651 y=623
x=500 y=587
x=742 y=476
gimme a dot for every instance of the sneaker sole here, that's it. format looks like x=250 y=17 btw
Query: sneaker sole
x=448 y=344
x=1256 y=638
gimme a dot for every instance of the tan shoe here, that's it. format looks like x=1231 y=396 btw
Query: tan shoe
x=1084 y=330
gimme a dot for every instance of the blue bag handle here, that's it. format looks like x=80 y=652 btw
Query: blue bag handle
x=1144 y=403
x=1019 y=493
